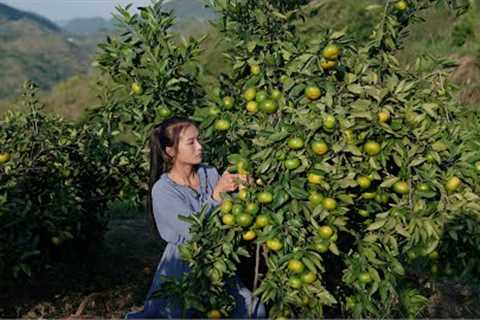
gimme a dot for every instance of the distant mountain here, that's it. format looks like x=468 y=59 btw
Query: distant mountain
x=11 y=14
x=187 y=12
x=187 y=9
x=34 y=48
x=87 y=26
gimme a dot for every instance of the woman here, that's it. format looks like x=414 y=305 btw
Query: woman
x=183 y=188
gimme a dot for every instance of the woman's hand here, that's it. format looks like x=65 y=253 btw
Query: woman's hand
x=228 y=182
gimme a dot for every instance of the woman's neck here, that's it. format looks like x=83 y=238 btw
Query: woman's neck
x=185 y=174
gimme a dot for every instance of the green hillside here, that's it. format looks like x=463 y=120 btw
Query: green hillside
x=33 y=48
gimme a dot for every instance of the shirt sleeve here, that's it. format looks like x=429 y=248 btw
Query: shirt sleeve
x=212 y=179
x=167 y=206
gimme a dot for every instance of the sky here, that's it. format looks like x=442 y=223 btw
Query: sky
x=57 y=10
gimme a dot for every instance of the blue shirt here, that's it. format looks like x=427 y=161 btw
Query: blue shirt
x=171 y=199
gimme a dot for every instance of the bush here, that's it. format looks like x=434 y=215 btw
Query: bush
x=54 y=189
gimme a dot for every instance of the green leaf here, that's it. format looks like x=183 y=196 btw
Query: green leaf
x=243 y=252
x=338 y=34
x=387 y=183
x=278 y=136
x=439 y=146
x=376 y=225
x=355 y=88
x=333 y=248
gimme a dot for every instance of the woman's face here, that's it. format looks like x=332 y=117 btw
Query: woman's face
x=189 y=148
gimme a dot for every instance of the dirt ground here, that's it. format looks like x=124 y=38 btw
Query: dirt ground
x=117 y=280
x=107 y=286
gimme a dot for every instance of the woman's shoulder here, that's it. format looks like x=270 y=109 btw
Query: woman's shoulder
x=209 y=169
x=163 y=185
x=211 y=173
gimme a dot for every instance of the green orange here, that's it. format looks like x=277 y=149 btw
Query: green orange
x=401 y=187
x=365 y=278
x=295 y=143
x=453 y=184
x=228 y=219
x=401 y=6
x=319 y=148
x=268 y=106
x=321 y=247
x=4 y=157
x=255 y=69
x=292 y=164
x=312 y=92
x=228 y=102
x=325 y=232
x=364 y=182
x=226 y=206
x=237 y=209
x=242 y=194
x=274 y=244
x=383 y=116
x=137 y=88
x=314 y=178
x=244 y=219
x=249 y=235
x=372 y=148
x=295 y=282
x=264 y=197
x=261 y=96
x=214 y=111
x=276 y=94
x=329 y=203
x=296 y=266
x=250 y=94
x=252 y=106
x=164 y=112
x=252 y=208
x=329 y=122
x=331 y=52
x=308 y=277
x=262 y=221
x=222 y=125
x=214 y=314
x=328 y=64
x=315 y=198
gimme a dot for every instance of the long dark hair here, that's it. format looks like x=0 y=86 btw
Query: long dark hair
x=165 y=134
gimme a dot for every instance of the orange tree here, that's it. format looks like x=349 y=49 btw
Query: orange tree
x=56 y=180
x=151 y=76
x=362 y=170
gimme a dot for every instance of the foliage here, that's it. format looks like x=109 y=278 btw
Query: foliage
x=409 y=154
x=55 y=188
x=152 y=76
